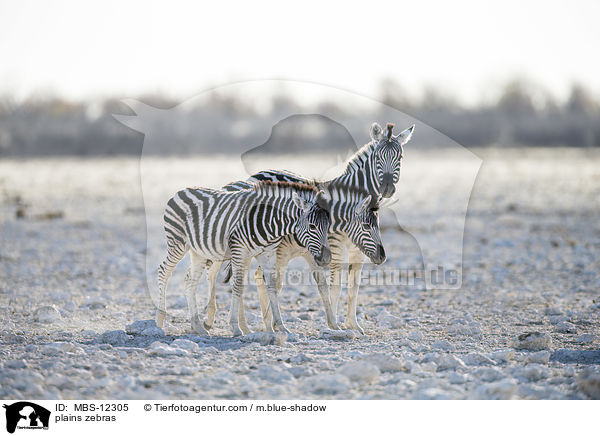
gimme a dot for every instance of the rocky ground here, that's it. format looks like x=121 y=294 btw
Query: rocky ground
x=75 y=307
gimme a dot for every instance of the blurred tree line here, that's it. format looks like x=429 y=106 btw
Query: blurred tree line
x=520 y=116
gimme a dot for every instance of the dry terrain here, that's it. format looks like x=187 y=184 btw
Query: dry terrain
x=75 y=308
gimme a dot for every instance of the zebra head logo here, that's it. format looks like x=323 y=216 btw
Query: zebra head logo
x=26 y=415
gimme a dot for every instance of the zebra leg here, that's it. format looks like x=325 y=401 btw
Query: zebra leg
x=283 y=259
x=335 y=287
x=175 y=253
x=192 y=279
x=277 y=281
x=319 y=276
x=355 y=263
x=239 y=263
x=271 y=279
x=265 y=308
x=242 y=317
x=268 y=261
x=211 y=307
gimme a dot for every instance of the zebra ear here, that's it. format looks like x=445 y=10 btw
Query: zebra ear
x=376 y=132
x=363 y=205
x=404 y=136
x=300 y=203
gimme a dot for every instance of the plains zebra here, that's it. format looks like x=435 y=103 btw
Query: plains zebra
x=375 y=168
x=353 y=215
x=218 y=225
x=353 y=212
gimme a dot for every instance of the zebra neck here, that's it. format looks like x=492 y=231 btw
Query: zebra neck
x=359 y=172
x=279 y=215
x=343 y=208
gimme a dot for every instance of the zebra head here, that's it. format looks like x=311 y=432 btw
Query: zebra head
x=312 y=228
x=363 y=230
x=387 y=156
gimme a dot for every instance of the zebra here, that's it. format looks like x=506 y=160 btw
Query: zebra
x=216 y=225
x=353 y=215
x=375 y=168
x=353 y=212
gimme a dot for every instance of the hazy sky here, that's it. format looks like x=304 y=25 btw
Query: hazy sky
x=466 y=48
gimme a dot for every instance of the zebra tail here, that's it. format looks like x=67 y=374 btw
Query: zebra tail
x=228 y=272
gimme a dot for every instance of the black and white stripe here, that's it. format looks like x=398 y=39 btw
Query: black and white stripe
x=353 y=213
x=375 y=168
x=216 y=225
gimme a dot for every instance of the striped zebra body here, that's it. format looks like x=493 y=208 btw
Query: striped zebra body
x=354 y=226
x=374 y=168
x=216 y=225
x=354 y=221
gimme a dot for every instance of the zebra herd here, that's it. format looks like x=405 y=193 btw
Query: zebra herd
x=275 y=216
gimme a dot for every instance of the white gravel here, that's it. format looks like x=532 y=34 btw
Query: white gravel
x=76 y=316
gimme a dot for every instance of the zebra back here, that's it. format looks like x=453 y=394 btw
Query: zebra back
x=375 y=167
x=196 y=216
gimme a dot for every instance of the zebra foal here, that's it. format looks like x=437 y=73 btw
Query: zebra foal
x=216 y=225
x=352 y=214
x=352 y=211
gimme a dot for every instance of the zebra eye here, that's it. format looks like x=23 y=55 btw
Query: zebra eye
x=312 y=227
x=366 y=226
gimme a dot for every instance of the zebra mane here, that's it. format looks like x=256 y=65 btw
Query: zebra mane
x=310 y=187
x=359 y=157
x=302 y=187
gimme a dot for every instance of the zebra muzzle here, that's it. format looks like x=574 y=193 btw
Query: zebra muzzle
x=387 y=187
x=380 y=257
x=324 y=258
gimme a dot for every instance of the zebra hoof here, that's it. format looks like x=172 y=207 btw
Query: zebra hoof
x=237 y=333
x=358 y=329
x=282 y=329
x=206 y=326
x=200 y=332
x=198 y=328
